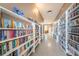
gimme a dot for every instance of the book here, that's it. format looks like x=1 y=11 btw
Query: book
x=0 y=21
x=27 y=45
x=0 y=35
x=17 y=42
x=0 y=49
x=17 y=53
x=12 y=33
x=7 y=45
x=21 y=50
x=7 y=21
x=13 y=43
x=4 y=48
x=26 y=38
x=12 y=23
x=19 y=25
x=16 y=25
x=24 y=47
x=3 y=35
x=21 y=40
x=10 y=45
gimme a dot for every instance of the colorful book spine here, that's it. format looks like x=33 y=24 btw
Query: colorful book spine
x=0 y=49
x=19 y=24
x=7 y=21
x=7 y=45
x=3 y=35
x=12 y=23
x=20 y=50
x=24 y=47
x=10 y=45
x=13 y=43
x=0 y=23
x=0 y=20
x=4 y=48
x=27 y=45
x=16 y=53
x=0 y=35
x=17 y=42
x=12 y=33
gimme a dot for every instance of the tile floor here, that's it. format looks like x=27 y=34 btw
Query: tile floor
x=49 y=47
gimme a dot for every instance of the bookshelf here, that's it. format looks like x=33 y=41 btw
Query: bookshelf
x=68 y=30
x=37 y=34
x=17 y=34
x=73 y=29
x=62 y=31
x=55 y=32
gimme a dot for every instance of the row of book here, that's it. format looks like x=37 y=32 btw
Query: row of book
x=55 y=31
x=8 y=21
x=73 y=6
x=36 y=31
x=73 y=27
x=8 y=34
x=75 y=12
x=6 y=46
x=72 y=47
x=74 y=23
x=62 y=32
x=41 y=32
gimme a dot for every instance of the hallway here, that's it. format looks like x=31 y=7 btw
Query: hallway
x=49 y=47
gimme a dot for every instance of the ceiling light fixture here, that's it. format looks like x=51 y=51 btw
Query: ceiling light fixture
x=49 y=11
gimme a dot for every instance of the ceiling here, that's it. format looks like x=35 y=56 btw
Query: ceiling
x=49 y=11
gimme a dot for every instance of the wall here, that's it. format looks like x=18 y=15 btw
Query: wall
x=29 y=10
x=49 y=28
x=63 y=9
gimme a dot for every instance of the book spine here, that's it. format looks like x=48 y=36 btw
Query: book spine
x=4 y=48
x=0 y=49
x=12 y=34
x=8 y=46
x=12 y=23
x=7 y=21
x=8 y=34
x=0 y=21
x=13 y=43
x=3 y=35
x=0 y=35
x=17 y=42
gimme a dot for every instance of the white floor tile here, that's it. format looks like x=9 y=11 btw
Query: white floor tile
x=48 y=47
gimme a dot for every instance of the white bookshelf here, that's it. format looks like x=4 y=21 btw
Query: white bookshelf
x=72 y=47
x=62 y=31
x=14 y=38
x=4 y=10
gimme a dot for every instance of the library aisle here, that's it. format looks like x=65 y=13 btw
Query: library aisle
x=49 y=47
x=36 y=31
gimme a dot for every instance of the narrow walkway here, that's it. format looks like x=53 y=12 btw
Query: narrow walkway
x=49 y=47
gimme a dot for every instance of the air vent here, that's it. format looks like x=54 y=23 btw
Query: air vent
x=49 y=11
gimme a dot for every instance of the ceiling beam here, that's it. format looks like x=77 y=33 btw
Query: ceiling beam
x=62 y=10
